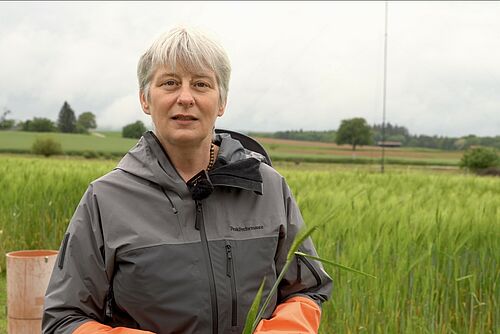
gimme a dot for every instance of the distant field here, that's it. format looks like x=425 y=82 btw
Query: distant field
x=283 y=149
x=106 y=142
x=111 y=143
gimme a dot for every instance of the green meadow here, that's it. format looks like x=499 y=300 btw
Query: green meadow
x=431 y=239
x=111 y=145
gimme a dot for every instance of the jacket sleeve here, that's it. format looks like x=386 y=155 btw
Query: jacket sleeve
x=78 y=289
x=305 y=285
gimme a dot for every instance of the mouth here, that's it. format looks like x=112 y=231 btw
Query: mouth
x=181 y=117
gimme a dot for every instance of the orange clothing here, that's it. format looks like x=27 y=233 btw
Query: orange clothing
x=93 y=327
x=297 y=315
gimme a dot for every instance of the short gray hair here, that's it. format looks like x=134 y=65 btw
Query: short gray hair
x=192 y=50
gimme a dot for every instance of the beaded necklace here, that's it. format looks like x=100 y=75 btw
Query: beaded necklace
x=212 y=157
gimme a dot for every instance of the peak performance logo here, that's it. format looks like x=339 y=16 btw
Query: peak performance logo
x=246 y=228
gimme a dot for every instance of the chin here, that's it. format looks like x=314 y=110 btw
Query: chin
x=186 y=138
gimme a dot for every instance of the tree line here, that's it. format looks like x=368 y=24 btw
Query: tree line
x=354 y=131
x=67 y=122
x=358 y=132
x=401 y=134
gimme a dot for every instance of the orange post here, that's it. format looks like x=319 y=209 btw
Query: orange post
x=28 y=274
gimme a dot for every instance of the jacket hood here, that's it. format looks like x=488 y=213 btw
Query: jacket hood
x=235 y=166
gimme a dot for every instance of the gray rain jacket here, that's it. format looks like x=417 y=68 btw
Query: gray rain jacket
x=140 y=252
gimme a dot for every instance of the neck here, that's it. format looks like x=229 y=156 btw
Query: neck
x=189 y=160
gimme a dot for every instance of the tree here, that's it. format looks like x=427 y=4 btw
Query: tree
x=85 y=122
x=67 y=120
x=391 y=132
x=354 y=131
x=480 y=158
x=133 y=130
x=6 y=124
x=39 y=124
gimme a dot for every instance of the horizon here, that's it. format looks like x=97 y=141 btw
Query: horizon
x=150 y=127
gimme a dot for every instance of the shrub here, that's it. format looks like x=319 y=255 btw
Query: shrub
x=490 y=171
x=7 y=124
x=479 y=158
x=133 y=130
x=90 y=154
x=46 y=146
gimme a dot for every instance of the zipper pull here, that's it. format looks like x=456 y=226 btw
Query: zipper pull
x=198 y=216
x=174 y=209
x=229 y=260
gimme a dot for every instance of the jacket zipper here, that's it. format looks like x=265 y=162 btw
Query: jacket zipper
x=311 y=268
x=213 y=292
x=230 y=274
x=63 y=250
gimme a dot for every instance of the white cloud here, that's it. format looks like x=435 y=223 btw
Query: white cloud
x=124 y=110
x=295 y=64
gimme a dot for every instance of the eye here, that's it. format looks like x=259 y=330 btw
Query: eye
x=169 y=83
x=201 y=84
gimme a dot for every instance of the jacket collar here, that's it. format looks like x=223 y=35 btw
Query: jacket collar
x=235 y=166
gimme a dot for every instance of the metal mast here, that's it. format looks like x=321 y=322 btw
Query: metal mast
x=384 y=89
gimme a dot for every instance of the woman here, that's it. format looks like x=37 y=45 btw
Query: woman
x=178 y=238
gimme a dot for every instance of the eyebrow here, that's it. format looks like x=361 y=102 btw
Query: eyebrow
x=163 y=75
x=203 y=75
x=195 y=75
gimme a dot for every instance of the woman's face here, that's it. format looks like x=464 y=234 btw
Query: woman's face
x=183 y=106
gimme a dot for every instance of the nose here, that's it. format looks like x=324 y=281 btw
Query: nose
x=185 y=98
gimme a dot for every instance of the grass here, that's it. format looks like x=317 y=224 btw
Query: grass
x=430 y=238
x=20 y=142
x=420 y=234
x=305 y=151
x=342 y=159
x=3 y=301
x=111 y=144
x=38 y=199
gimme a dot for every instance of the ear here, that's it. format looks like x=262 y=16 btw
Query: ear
x=144 y=102
x=222 y=109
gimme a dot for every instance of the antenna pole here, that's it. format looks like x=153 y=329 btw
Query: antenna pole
x=384 y=89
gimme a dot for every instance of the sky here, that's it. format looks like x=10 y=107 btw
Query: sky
x=295 y=65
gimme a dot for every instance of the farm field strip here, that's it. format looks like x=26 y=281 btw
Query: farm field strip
x=370 y=151
x=113 y=143
x=22 y=141
x=333 y=146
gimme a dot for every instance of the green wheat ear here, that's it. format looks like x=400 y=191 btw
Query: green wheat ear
x=335 y=264
x=298 y=241
x=254 y=309
x=253 y=317
x=299 y=238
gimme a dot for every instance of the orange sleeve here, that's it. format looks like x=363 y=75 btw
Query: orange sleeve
x=297 y=315
x=94 y=327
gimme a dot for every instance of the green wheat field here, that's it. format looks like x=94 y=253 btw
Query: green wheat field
x=431 y=239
